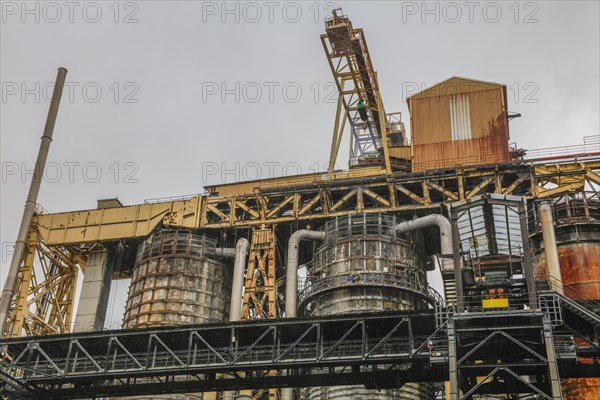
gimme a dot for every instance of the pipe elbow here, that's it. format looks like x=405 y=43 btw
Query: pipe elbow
x=241 y=247
x=428 y=221
x=292 y=267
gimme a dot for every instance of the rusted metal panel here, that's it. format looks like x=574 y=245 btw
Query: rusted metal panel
x=579 y=258
x=486 y=150
x=580 y=267
x=459 y=122
x=177 y=279
x=581 y=388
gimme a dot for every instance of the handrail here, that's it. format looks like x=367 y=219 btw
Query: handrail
x=408 y=280
x=589 y=145
x=568 y=209
x=581 y=308
x=571 y=293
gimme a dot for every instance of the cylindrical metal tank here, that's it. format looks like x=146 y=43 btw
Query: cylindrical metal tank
x=177 y=280
x=577 y=231
x=363 y=267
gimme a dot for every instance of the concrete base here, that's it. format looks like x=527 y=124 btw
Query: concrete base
x=93 y=301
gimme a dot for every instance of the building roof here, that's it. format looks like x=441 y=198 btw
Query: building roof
x=454 y=85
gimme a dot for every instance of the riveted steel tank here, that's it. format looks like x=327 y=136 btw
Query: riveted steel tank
x=177 y=280
x=363 y=267
x=577 y=230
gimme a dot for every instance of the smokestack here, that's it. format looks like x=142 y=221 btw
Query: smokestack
x=13 y=272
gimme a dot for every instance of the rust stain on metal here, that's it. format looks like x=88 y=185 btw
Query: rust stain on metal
x=581 y=388
x=580 y=268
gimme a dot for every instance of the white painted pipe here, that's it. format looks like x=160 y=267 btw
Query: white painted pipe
x=226 y=252
x=237 y=285
x=235 y=308
x=550 y=247
x=445 y=234
x=291 y=282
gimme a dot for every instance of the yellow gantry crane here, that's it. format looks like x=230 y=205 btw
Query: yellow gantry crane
x=376 y=138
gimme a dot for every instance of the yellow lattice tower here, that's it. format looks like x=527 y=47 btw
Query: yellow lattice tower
x=260 y=289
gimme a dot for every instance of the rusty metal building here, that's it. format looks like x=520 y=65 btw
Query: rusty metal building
x=459 y=122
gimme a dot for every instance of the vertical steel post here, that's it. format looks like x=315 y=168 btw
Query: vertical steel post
x=527 y=262
x=555 y=389
x=13 y=272
x=460 y=304
x=452 y=361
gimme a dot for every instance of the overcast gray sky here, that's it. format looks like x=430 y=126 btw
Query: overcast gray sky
x=166 y=96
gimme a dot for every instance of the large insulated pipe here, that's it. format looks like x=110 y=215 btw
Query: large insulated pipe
x=237 y=284
x=291 y=280
x=429 y=221
x=34 y=188
x=550 y=247
x=225 y=252
x=446 y=244
x=241 y=250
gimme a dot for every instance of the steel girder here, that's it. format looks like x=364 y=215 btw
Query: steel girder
x=377 y=351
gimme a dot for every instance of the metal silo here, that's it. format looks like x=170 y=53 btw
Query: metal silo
x=177 y=280
x=363 y=267
x=576 y=222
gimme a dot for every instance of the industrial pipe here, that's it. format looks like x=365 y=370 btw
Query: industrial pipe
x=291 y=282
x=429 y=221
x=225 y=252
x=241 y=250
x=550 y=247
x=235 y=308
x=34 y=188
x=446 y=245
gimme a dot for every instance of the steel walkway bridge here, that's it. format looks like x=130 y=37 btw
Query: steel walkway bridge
x=377 y=351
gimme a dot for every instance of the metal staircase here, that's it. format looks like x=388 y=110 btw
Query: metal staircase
x=588 y=310
x=450 y=290
x=552 y=291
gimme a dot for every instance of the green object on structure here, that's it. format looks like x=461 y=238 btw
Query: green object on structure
x=362 y=104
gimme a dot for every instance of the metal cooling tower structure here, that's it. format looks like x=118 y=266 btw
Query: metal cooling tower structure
x=315 y=286
x=177 y=279
x=569 y=259
x=364 y=267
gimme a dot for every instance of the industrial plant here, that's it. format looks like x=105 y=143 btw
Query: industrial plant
x=315 y=286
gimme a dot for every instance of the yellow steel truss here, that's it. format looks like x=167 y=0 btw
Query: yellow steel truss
x=44 y=300
x=315 y=197
x=260 y=291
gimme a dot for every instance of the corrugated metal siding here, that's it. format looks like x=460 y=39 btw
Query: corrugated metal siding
x=488 y=150
x=441 y=121
x=460 y=117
